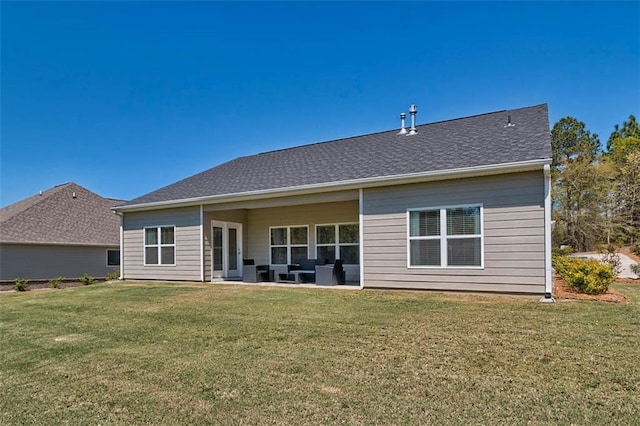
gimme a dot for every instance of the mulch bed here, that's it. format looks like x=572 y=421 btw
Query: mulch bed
x=561 y=291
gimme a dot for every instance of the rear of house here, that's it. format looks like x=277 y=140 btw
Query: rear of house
x=460 y=205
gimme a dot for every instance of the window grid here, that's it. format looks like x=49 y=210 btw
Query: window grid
x=340 y=248
x=290 y=244
x=448 y=255
x=161 y=250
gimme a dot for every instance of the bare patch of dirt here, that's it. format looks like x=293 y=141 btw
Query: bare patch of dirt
x=627 y=251
x=562 y=291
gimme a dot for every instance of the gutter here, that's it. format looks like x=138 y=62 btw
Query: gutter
x=548 y=276
x=344 y=185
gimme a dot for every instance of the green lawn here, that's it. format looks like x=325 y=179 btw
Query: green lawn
x=191 y=354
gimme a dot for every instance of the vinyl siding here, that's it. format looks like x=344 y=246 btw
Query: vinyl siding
x=44 y=262
x=187 y=241
x=513 y=212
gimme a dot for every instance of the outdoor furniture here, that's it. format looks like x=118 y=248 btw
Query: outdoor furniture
x=330 y=274
x=252 y=273
x=302 y=272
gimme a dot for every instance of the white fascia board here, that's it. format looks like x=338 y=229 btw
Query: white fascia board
x=345 y=185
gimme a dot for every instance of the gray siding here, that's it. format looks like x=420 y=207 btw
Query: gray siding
x=44 y=262
x=513 y=234
x=187 y=240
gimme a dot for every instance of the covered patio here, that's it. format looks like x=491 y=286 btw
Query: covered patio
x=283 y=236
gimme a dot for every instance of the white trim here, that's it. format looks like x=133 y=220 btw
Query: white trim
x=159 y=245
x=201 y=244
x=121 y=216
x=347 y=184
x=548 y=278
x=337 y=243
x=443 y=237
x=226 y=271
x=361 y=231
x=288 y=246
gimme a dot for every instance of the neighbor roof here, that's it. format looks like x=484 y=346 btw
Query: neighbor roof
x=57 y=217
x=476 y=141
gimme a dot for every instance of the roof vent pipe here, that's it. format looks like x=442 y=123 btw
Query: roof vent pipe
x=413 y=110
x=402 y=131
x=509 y=123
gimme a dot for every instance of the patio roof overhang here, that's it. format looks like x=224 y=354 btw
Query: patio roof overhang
x=354 y=184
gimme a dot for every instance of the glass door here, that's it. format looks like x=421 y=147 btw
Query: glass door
x=226 y=250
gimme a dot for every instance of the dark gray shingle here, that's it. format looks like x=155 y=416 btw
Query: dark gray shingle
x=479 y=140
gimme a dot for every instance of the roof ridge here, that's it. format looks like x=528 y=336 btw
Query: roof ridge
x=36 y=198
x=385 y=131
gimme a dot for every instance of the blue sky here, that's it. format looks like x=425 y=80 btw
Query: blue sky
x=126 y=97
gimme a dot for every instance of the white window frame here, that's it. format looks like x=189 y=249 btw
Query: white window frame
x=289 y=246
x=119 y=255
x=443 y=237
x=337 y=243
x=159 y=245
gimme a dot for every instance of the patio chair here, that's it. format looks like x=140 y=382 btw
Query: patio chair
x=330 y=274
x=252 y=273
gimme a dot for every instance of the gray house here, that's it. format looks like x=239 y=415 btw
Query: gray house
x=457 y=205
x=65 y=231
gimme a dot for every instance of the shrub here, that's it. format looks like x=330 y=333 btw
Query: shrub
x=87 y=279
x=56 y=282
x=563 y=250
x=635 y=268
x=585 y=275
x=636 y=248
x=20 y=284
x=113 y=275
x=611 y=258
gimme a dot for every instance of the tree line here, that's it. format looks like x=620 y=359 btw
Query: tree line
x=595 y=191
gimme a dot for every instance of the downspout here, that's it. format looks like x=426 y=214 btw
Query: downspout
x=361 y=233
x=201 y=243
x=548 y=278
x=121 y=217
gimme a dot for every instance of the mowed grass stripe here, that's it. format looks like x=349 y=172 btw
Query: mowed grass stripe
x=132 y=353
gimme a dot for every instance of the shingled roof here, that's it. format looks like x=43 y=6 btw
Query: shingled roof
x=476 y=141
x=58 y=217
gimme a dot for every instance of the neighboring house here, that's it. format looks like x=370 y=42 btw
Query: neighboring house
x=461 y=205
x=65 y=231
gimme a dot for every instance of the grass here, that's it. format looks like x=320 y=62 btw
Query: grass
x=135 y=353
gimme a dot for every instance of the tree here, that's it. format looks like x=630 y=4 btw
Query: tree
x=579 y=188
x=629 y=195
x=570 y=141
x=629 y=128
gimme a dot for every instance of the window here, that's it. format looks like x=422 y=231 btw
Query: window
x=159 y=245
x=289 y=244
x=113 y=257
x=340 y=241
x=446 y=237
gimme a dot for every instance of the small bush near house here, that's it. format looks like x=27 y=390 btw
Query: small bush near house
x=585 y=275
x=87 y=279
x=20 y=284
x=113 y=275
x=635 y=268
x=56 y=282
